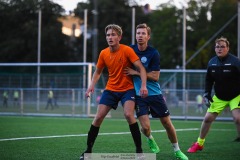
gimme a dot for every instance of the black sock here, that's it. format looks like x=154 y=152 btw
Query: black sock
x=136 y=134
x=92 y=135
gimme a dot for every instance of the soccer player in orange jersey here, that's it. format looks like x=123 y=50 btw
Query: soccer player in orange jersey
x=119 y=87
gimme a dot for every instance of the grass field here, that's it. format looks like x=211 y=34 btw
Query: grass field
x=52 y=138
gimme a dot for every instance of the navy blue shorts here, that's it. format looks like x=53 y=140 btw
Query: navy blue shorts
x=111 y=98
x=154 y=105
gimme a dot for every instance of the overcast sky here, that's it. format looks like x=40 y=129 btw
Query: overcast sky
x=71 y=4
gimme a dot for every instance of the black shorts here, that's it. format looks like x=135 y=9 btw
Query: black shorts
x=154 y=105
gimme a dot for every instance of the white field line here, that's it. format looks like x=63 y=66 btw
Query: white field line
x=114 y=133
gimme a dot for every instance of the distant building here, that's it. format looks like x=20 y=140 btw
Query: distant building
x=71 y=25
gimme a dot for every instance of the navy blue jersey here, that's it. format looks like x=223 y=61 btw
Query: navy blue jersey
x=150 y=59
x=224 y=75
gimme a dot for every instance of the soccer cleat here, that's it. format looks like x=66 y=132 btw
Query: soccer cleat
x=84 y=157
x=81 y=157
x=237 y=139
x=153 y=145
x=194 y=148
x=180 y=155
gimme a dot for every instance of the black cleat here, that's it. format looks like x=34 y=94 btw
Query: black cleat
x=237 y=139
x=85 y=156
x=81 y=157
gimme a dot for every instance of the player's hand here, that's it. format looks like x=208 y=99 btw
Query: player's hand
x=143 y=92
x=130 y=71
x=89 y=91
x=207 y=98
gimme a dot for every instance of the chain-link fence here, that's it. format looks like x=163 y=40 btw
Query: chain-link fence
x=179 y=89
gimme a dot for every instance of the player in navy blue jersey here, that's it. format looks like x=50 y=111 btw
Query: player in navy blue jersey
x=154 y=104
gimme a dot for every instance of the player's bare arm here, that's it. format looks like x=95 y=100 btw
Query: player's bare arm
x=96 y=76
x=153 y=75
x=143 y=75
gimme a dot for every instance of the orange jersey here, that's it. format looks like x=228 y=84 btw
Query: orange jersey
x=115 y=63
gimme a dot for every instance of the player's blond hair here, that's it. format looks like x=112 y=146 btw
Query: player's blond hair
x=114 y=27
x=223 y=39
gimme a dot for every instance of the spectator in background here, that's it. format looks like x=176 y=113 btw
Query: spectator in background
x=55 y=98
x=16 y=98
x=223 y=74
x=199 y=100
x=5 y=99
x=50 y=99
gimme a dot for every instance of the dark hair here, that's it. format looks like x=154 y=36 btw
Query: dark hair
x=144 y=25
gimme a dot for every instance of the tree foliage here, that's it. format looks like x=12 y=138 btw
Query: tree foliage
x=109 y=12
x=166 y=35
x=19 y=32
x=205 y=18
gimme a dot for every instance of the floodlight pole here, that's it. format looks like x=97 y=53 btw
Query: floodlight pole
x=85 y=56
x=184 y=62
x=95 y=30
x=184 y=42
x=39 y=55
x=133 y=25
x=85 y=46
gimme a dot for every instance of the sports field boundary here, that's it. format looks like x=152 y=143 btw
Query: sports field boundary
x=101 y=134
x=200 y=118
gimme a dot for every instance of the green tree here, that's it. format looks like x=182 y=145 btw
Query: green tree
x=204 y=19
x=166 y=35
x=19 y=31
x=108 y=12
x=222 y=11
x=198 y=33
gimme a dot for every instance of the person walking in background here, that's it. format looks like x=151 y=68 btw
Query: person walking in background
x=154 y=104
x=16 y=98
x=55 y=99
x=223 y=73
x=119 y=86
x=5 y=99
x=50 y=99
x=199 y=100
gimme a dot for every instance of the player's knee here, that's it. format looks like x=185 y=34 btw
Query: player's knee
x=128 y=115
x=146 y=130
x=98 y=120
x=210 y=117
x=208 y=120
